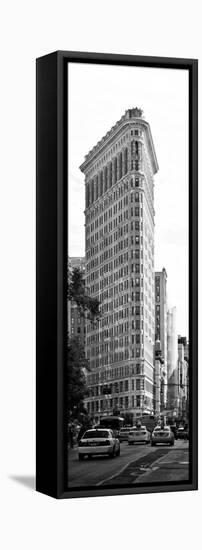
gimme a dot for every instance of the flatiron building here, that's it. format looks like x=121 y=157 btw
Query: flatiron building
x=119 y=251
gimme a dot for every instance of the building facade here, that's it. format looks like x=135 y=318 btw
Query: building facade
x=172 y=361
x=161 y=310
x=183 y=378
x=158 y=377
x=119 y=224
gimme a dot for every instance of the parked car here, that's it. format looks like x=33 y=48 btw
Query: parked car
x=98 y=442
x=182 y=433
x=123 y=434
x=162 y=435
x=139 y=435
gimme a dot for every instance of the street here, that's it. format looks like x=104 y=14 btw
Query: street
x=136 y=464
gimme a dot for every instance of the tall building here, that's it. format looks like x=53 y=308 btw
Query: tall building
x=75 y=321
x=172 y=361
x=183 y=377
x=158 y=375
x=161 y=327
x=119 y=224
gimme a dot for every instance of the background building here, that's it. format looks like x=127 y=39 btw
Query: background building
x=158 y=376
x=161 y=327
x=119 y=224
x=183 y=378
x=172 y=361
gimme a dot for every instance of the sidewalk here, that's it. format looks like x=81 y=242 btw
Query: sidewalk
x=174 y=466
x=157 y=465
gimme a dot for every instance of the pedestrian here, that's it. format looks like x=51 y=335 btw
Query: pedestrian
x=71 y=437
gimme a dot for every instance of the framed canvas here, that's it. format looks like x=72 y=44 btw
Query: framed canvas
x=116 y=373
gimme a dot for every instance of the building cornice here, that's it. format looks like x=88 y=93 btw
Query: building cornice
x=112 y=135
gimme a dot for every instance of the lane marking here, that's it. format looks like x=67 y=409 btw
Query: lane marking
x=152 y=467
x=124 y=468
x=174 y=462
x=114 y=475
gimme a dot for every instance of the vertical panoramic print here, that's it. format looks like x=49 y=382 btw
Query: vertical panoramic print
x=127 y=373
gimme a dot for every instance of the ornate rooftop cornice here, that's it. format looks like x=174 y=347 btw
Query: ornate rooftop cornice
x=130 y=116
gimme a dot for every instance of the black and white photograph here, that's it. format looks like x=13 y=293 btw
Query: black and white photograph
x=100 y=224
x=127 y=378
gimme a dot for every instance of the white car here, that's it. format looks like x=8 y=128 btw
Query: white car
x=139 y=434
x=98 y=442
x=123 y=434
x=162 y=435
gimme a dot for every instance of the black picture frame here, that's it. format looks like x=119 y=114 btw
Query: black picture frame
x=51 y=240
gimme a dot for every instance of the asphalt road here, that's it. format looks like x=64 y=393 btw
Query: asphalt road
x=136 y=464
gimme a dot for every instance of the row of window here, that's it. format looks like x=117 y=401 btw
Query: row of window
x=134 y=197
x=128 y=242
x=117 y=372
x=133 y=212
x=110 y=174
x=110 y=306
x=113 y=332
x=125 y=285
x=122 y=272
x=118 y=144
x=107 y=294
x=120 y=206
x=115 y=343
x=104 y=376
x=113 y=357
x=116 y=318
x=110 y=279
x=113 y=172
x=107 y=233
x=114 y=148
x=121 y=386
x=136 y=238
x=110 y=199
x=109 y=404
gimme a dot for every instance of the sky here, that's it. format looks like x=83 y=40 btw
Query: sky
x=98 y=96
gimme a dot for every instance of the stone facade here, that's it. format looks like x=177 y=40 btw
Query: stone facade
x=119 y=240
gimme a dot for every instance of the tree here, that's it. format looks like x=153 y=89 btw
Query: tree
x=76 y=382
x=77 y=293
x=76 y=360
